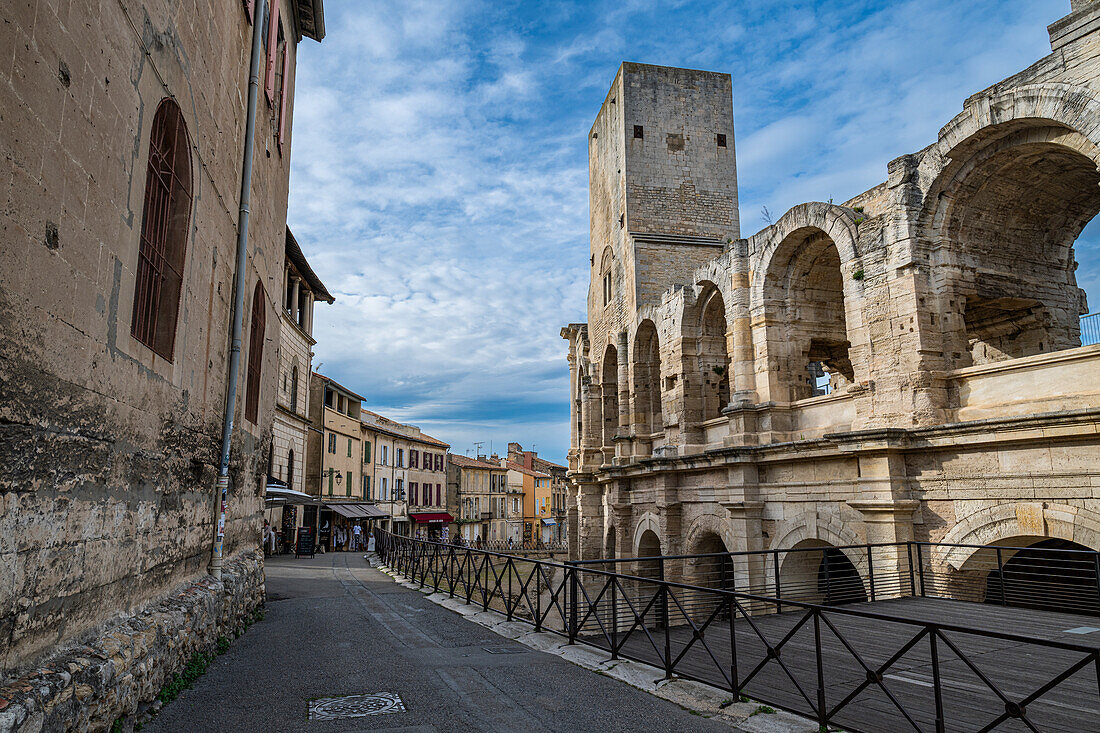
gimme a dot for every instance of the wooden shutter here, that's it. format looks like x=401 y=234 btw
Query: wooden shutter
x=272 y=52
x=255 y=355
x=283 y=96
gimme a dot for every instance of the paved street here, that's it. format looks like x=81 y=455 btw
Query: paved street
x=334 y=626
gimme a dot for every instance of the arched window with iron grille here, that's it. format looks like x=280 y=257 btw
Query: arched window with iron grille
x=255 y=355
x=166 y=214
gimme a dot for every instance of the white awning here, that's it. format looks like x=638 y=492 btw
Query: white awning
x=290 y=496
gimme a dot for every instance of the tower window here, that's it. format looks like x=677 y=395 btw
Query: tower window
x=721 y=140
x=638 y=132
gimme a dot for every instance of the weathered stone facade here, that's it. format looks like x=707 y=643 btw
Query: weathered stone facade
x=110 y=446
x=903 y=365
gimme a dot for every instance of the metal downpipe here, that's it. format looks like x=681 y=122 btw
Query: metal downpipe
x=239 y=285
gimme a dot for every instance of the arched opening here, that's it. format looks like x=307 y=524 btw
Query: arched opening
x=609 y=386
x=1006 y=219
x=290 y=469
x=649 y=546
x=714 y=362
x=294 y=389
x=710 y=567
x=1049 y=574
x=647 y=380
x=165 y=217
x=255 y=355
x=810 y=346
x=813 y=571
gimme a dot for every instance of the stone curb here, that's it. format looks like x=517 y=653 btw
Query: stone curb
x=707 y=701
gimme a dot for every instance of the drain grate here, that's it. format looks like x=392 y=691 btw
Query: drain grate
x=355 y=706
x=504 y=649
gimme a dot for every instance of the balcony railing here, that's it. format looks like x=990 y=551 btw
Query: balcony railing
x=1090 y=329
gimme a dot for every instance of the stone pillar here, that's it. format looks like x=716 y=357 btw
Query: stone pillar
x=295 y=285
x=740 y=344
x=307 y=321
x=623 y=442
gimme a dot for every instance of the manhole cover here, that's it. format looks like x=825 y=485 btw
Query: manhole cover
x=503 y=650
x=355 y=706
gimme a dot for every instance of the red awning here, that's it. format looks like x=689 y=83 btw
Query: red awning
x=424 y=518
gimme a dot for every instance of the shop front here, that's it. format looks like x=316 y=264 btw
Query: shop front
x=432 y=525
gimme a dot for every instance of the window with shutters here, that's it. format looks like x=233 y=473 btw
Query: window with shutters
x=414 y=459
x=413 y=486
x=331 y=476
x=439 y=494
x=347 y=477
x=332 y=443
x=165 y=217
x=255 y=355
x=366 y=451
x=349 y=447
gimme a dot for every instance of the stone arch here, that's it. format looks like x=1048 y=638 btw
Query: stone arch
x=712 y=351
x=815 y=571
x=1007 y=190
x=997 y=524
x=648 y=410
x=811 y=315
x=647 y=522
x=709 y=535
x=609 y=389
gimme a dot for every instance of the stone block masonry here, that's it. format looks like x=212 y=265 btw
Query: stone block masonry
x=120 y=671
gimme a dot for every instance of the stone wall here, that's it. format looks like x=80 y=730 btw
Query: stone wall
x=121 y=668
x=110 y=450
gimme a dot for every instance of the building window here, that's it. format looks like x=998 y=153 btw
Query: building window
x=347 y=478
x=383 y=494
x=721 y=140
x=399 y=489
x=638 y=132
x=349 y=447
x=414 y=459
x=385 y=455
x=164 y=230
x=294 y=389
x=366 y=451
x=439 y=495
x=331 y=478
x=255 y=355
x=366 y=487
x=290 y=470
x=332 y=443
x=413 y=487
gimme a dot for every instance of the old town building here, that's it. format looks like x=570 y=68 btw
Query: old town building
x=527 y=494
x=905 y=364
x=123 y=146
x=409 y=475
x=291 y=425
x=333 y=462
x=556 y=520
x=479 y=486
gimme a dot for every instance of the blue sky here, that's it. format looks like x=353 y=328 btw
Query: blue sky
x=439 y=179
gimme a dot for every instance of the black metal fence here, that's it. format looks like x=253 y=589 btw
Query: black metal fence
x=786 y=629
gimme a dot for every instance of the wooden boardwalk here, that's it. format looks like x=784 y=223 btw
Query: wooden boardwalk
x=1016 y=669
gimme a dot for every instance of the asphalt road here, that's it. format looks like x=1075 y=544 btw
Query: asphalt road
x=334 y=626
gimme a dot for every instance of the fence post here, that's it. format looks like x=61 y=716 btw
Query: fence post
x=778 y=589
x=1001 y=576
x=821 y=717
x=733 y=649
x=538 y=596
x=509 y=567
x=937 y=683
x=871 y=571
x=920 y=568
x=912 y=577
x=664 y=618
x=1096 y=563
x=572 y=570
x=614 y=618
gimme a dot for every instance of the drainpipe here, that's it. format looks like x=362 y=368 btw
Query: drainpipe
x=241 y=271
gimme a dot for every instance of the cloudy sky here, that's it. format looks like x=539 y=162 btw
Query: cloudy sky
x=439 y=180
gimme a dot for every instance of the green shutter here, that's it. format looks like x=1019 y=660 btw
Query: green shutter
x=349 y=447
x=349 y=472
x=331 y=474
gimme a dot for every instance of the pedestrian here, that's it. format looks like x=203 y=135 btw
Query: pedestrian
x=356 y=537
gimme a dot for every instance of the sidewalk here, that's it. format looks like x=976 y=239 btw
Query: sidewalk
x=334 y=626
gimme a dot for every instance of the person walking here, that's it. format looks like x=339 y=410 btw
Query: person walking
x=356 y=537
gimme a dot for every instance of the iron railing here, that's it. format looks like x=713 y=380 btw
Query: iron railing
x=1090 y=329
x=846 y=665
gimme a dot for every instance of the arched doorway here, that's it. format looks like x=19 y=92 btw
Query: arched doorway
x=649 y=546
x=1004 y=216
x=647 y=380
x=813 y=571
x=711 y=567
x=609 y=385
x=1049 y=574
x=811 y=348
x=714 y=362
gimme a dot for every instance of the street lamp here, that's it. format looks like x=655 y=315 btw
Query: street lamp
x=339 y=479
